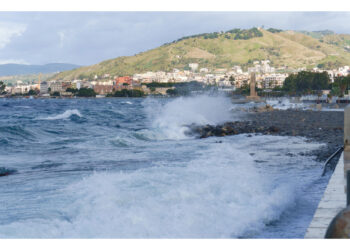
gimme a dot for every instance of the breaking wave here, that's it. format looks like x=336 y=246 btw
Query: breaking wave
x=171 y=119
x=212 y=196
x=66 y=115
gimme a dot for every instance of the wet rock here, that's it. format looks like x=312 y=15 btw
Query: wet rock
x=265 y=108
x=274 y=129
x=285 y=123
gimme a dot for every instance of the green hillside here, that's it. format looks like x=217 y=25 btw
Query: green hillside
x=226 y=49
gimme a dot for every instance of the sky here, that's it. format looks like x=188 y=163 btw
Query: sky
x=86 y=38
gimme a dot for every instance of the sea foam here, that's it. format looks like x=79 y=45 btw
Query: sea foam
x=66 y=115
x=213 y=196
x=171 y=120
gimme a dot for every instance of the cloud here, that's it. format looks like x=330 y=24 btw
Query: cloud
x=15 y=61
x=8 y=31
x=86 y=38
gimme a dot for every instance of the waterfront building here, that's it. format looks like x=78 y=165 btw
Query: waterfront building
x=123 y=79
x=86 y=85
x=44 y=87
x=273 y=80
x=103 y=89
x=76 y=84
x=56 y=87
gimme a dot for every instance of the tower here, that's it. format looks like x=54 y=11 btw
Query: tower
x=253 y=96
x=252 y=84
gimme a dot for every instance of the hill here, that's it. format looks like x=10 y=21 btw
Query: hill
x=226 y=49
x=23 y=69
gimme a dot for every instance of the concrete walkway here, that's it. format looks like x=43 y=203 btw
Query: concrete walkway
x=332 y=202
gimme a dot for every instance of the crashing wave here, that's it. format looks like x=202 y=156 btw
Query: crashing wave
x=66 y=115
x=171 y=120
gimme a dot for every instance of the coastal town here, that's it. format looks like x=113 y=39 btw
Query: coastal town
x=159 y=83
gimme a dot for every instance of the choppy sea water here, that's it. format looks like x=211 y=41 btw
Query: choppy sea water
x=124 y=168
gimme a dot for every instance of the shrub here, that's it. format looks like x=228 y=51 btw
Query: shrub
x=129 y=93
x=86 y=92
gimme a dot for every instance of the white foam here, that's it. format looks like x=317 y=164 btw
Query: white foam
x=219 y=194
x=68 y=113
x=286 y=103
x=127 y=102
x=170 y=120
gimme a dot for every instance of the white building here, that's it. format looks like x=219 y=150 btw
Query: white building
x=44 y=87
x=237 y=69
x=56 y=87
x=193 y=66
x=344 y=71
x=273 y=80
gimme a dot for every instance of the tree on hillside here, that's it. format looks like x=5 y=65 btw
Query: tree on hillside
x=272 y=30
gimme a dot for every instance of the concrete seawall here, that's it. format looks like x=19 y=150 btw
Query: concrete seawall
x=332 y=202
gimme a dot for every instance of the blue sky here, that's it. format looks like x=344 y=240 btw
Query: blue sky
x=87 y=38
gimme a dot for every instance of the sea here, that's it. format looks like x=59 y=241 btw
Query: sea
x=126 y=168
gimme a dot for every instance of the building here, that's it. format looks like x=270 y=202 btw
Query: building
x=204 y=70
x=123 y=79
x=44 y=88
x=344 y=71
x=193 y=66
x=87 y=85
x=237 y=69
x=273 y=80
x=20 y=89
x=56 y=87
x=66 y=85
x=103 y=89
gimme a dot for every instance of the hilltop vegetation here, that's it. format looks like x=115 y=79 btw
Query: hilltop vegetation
x=236 y=34
x=290 y=49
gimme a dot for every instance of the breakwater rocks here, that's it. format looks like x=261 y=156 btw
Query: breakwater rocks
x=231 y=128
x=321 y=126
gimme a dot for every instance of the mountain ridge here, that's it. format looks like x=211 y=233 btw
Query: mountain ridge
x=286 y=48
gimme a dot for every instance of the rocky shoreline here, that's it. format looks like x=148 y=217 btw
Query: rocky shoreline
x=320 y=126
